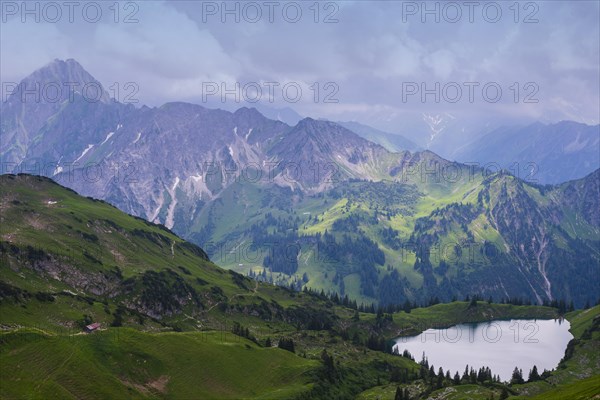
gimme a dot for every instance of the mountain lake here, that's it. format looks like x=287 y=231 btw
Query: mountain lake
x=500 y=345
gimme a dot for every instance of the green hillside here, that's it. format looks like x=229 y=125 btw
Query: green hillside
x=413 y=237
x=174 y=325
x=71 y=254
x=125 y=363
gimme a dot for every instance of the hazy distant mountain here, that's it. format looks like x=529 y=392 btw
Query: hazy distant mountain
x=390 y=141
x=551 y=153
x=286 y=114
x=442 y=132
x=40 y=97
x=445 y=133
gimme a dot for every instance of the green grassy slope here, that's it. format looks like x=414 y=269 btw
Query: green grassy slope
x=74 y=255
x=473 y=234
x=125 y=363
x=67 y=261
x=584 y=389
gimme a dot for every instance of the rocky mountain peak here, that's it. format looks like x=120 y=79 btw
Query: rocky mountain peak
x=58 y=81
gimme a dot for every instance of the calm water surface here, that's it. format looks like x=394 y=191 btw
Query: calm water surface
x=500 y=345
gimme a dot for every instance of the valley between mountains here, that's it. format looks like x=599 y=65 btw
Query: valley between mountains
x=175 y=325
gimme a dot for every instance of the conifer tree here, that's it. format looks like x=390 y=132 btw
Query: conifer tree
x=533 y=375
x=456 y=378
x=517 y=376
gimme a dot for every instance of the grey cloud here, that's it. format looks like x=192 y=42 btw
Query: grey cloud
x=369 y=53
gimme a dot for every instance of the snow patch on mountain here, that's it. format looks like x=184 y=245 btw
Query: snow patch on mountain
x=84 y=152
x=161 y=202
x=169 y=222
x=576 y=145
x=437 y=124
x=107 y=137
x=58 y=168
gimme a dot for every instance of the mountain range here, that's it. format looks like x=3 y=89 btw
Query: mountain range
x=391 y=141
x=543 y=153
x=320 y=204
x=539 y=153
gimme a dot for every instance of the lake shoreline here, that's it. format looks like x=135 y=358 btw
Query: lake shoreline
x=500 y=345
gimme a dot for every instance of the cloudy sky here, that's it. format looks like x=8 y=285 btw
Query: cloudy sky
x=352 y=60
